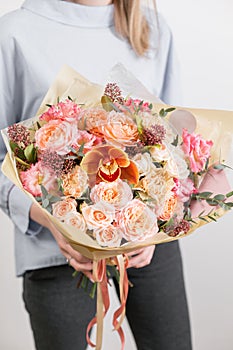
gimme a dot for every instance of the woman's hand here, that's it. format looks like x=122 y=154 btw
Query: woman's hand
x=141 y=257
x=76 y=260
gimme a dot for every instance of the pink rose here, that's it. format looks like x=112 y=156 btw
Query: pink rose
x=67 y=110
x=86 y=139
x=98 y=215
x=38 y=175
x=118 y=193
x=64 y=207
x=196 y=149
x=56 y=136
x=137 y=221
x=109 y=236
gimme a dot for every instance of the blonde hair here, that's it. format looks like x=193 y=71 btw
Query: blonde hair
x=132 y=25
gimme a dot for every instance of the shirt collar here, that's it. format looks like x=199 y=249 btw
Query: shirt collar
x=72 y=13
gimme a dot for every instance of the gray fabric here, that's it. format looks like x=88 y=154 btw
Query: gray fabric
x=156 y=306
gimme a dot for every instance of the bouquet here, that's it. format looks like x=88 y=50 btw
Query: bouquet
x=115 y=175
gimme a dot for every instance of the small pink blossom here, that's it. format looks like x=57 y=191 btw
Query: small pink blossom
x=184 y=188
x=86 y=139
x=67 y=110
x=38 y=175
x=196 y=149
x=133 y=104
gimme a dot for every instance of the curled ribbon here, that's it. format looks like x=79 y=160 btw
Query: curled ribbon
x=103 y=302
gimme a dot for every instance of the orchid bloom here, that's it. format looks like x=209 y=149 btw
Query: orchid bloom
x=108 y=163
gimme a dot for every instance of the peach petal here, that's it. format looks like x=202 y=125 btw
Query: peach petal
x=130 y=173
x=120 y=156
x=90 y=163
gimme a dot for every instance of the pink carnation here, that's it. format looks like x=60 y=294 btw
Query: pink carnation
x=196 y=149
x=35 y=176
x=184 y=188
x=67 y=110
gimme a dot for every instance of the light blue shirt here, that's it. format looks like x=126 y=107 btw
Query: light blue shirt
x=35 y=42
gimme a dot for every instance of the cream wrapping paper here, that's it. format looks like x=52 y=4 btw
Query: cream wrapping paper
x=212 y=124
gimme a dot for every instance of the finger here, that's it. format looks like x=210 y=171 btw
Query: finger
x=68 y=250
x=143 y=259
x=84 y=267
x=135 y=252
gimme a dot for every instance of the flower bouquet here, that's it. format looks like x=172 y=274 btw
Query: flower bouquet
x=116 y=173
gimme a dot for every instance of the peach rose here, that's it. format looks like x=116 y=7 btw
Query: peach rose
x=109 y=236
x=169 y=207
x=38 y=175
x=64 y=207
x=76 y=220
x=92 y=119
x=137 y=221
x=120 y=130
x=56 y=136
x=98 y=215
x=75 y=182
x=117 y=193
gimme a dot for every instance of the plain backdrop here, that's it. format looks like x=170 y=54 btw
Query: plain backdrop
x=203 y=32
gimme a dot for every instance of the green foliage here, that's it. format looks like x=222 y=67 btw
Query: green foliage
x=164 y=112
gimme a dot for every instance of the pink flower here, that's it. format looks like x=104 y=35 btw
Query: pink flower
x=109 y=236
x=133 y=104
x=196 y=149
x=98 y=215
x=184 y=188
x=67 y=110
x=38 y=175
x=117 y=193
x=86 y=139
x=137 y=221
x=56 y=136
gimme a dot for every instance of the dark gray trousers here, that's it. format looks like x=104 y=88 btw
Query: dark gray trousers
x=156 y=306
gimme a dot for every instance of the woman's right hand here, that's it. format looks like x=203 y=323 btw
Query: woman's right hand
x=76 y=260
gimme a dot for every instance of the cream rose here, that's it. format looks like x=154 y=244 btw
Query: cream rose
x=137 y=221
x=109 y=236
x=144 y=163
x=76 y=220
x=98 y=215
x=117 y=193
x=56 y=136
x=176 y=164
x=64 y=207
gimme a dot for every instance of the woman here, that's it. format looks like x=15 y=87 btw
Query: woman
x=90 y=36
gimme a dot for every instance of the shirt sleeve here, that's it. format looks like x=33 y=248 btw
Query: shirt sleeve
x=13 y=201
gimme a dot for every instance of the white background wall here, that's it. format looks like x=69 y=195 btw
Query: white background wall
x=203 y=31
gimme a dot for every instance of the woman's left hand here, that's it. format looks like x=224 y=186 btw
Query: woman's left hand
x=141 y=257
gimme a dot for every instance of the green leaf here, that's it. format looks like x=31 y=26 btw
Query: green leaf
x=30 y=153
x=17 y=150
x=212 y=202
x=44 y=191
x=162 y=113
x=204 y=195
x=70 y=98
x=150 y=106
x=106 y=103
x=176 y=141
x=48 y=105
x=22 y=162
x=45 y=202
x=203 y=218
x=229 y=194
x=170 y=109
x=219 y=197
x=212 y=218
x=139 y=124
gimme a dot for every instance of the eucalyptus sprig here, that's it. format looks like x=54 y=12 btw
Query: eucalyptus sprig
x=47 y=199
x=215 y=200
